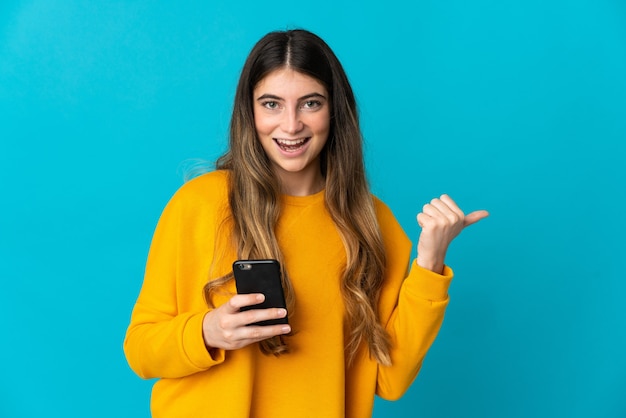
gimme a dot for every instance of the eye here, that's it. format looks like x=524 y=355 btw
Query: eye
x=311 y=104
x=270 y=104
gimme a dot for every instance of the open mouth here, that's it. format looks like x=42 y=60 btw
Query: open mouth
x=291 y=145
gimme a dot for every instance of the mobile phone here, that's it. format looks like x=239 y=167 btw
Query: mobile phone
x=261 y=276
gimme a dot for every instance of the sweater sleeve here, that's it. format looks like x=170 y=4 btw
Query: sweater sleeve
x=413 y=326
x=163 y=340
x=412 y=308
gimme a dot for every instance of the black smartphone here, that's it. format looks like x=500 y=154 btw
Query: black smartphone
x=261 y=276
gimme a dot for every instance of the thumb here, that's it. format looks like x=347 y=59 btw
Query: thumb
x=474 y=217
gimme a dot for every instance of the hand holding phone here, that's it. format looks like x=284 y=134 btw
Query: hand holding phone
x=227 y=327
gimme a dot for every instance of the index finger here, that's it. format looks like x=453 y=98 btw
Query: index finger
x=239 y=301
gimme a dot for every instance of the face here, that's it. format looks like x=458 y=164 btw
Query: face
x=292 y=121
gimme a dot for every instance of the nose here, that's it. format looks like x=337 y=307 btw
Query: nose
x=291 y=122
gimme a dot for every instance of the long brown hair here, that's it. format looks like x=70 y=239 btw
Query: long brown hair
x=254 y=190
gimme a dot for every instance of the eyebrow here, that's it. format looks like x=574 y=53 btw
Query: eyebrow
x=305 y=97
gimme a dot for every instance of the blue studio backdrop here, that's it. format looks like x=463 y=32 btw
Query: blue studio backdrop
x=518 y=107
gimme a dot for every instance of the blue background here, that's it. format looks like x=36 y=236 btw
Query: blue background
x=518 y=107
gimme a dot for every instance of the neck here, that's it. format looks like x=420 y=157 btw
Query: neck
x=301 y=183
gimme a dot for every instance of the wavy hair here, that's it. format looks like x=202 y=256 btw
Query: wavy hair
x=254 y=189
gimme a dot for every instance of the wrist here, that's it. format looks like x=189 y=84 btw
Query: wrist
x=205 y=334
x=433 y=264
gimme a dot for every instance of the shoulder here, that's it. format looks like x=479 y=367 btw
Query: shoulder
x=212 y=186
x=205 y=195
x=389 y=226
x=381 y=207
x=383 y=213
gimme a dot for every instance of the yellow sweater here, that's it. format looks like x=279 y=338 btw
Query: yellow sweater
x=164 y=339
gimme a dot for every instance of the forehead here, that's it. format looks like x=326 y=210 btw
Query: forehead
x=286 y=81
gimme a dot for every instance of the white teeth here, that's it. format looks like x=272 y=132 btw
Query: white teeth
x=290 y=142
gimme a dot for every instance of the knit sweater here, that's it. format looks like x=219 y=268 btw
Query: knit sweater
x=192 y=243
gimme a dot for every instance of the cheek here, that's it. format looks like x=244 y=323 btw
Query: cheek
x=323 y=125
x=263 y=125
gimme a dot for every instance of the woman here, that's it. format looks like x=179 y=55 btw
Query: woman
x=291 y=187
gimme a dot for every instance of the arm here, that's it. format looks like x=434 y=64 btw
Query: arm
x=423 y=296
x=412 y=327
x=172 y=332
x=162 y=340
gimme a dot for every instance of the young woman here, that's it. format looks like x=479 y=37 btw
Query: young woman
x=291 y=187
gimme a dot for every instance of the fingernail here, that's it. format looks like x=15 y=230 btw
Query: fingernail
x=282 y=312
x=286 y=329
x=260 y=297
